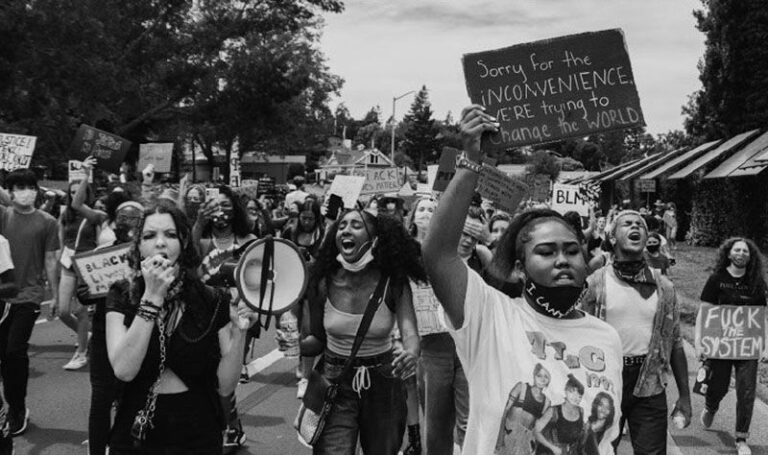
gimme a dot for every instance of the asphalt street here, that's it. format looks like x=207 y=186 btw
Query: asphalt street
x=59 y=400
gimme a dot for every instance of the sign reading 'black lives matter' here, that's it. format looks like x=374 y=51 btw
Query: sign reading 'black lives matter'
x=548 y=90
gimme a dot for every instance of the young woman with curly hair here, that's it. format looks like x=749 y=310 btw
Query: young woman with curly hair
x=360 y=250
x=738 y=279
x=175 y=343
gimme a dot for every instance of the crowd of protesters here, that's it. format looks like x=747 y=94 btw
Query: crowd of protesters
x=500 y=333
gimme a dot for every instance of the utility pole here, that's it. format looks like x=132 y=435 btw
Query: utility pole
x=394 y=101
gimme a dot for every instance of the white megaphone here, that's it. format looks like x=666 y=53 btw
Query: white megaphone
x=271 y=276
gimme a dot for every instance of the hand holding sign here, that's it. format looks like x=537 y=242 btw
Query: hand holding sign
x=474 y=122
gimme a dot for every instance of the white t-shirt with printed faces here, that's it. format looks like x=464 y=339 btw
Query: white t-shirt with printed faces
x=6 y=262
x=501 y=343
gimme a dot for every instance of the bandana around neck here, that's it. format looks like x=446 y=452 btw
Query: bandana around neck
x=557 y=302
x=638 y=275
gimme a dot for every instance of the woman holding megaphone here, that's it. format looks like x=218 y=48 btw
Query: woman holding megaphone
x=363 y=266
x=176 y=343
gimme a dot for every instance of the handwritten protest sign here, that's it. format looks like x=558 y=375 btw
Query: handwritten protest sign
x=348 y=188
x=99 y=269
x=506 y=192
x=108 y=149
x=380 y=180
x=566 y=198
x=429 y=313
x=211 y=193
x=544 y=91
x=266 y=185
x=16 y=151
x=731 y=331
x=158 y=154
x=76 y=172
x=446 y=169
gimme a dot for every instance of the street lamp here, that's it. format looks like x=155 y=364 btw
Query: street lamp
x=394 y=100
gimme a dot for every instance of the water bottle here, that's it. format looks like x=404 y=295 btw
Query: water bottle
x=288 y=335
x=678 y=418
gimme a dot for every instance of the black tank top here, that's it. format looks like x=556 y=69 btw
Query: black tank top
x=529 y=403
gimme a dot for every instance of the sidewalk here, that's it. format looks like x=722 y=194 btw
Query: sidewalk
x=719 y=438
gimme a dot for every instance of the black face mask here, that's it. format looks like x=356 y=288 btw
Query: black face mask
x=557 y=302
x=653 y=248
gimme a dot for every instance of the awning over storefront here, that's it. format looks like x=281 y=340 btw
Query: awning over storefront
x=597 y=177
x=653 y=164
x=680 y=160
x=741 y=158
x=726 y=147
x=631 y=167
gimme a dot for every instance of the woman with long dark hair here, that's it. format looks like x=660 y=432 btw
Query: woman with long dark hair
x=308 y=232
x=500 y=339
x=78 y=234
x=361 y=253
x=738 y=279
x=175 y=343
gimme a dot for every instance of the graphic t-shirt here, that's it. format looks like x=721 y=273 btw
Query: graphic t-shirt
x=502 y=343
x=722 y=288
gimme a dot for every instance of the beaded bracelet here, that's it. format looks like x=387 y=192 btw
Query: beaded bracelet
x=145 y=313
x=149 y=303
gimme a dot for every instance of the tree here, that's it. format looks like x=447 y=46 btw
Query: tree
x=543 y=162
x=421 y=142
x=733 y=71
x=141 y=67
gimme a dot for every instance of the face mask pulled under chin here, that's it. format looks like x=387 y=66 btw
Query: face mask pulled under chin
x=557 y=301
x=362 y=262
x=25 y=197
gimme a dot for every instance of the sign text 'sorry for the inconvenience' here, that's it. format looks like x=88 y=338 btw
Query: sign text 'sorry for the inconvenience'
x=544 y=91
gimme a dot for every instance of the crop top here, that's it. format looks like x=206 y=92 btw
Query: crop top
x=530 y=404
x=194 y=359
x=341 y=328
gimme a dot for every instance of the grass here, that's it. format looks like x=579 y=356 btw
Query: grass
x=694 y=265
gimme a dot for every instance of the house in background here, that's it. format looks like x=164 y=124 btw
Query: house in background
x=343 y=160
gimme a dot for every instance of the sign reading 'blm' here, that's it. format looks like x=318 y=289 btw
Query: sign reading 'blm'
x=16 y=151
x=731 y=331
x=99 y=269
x=571 y=86
x=108 y=149
x=567 y=198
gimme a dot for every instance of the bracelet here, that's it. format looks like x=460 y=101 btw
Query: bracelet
x=149 y=303
x=145 y=313
x=462 y=162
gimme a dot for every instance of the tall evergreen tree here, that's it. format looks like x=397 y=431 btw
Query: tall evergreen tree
x=733 y=71
x=421 y=142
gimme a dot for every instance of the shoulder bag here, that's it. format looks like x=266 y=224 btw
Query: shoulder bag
x=321 y=392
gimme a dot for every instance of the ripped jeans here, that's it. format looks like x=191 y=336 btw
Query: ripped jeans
x=370 y=404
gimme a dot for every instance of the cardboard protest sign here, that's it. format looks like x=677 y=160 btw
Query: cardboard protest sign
x=566 y=198
x=211 y=193
x=540 y=185
x=108 y=149
x=731 y=331
x=266 y=185
x=380 y=180
x=76 y=172
x=99 y=269
x=548 y=90
x=446 y=169
x=158 y=154
x=506 y=192
x=16 y=151
x=348 y=188
x=429 y=313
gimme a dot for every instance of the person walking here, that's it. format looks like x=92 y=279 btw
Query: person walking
x=33 y=238
x=360 y=254
x=499 y=339
x=738 y=279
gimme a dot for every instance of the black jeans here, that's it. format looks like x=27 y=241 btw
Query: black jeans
x=647 y=416
x=377 y=414
x=104 y=391
x=15 y=332
x=720 y=379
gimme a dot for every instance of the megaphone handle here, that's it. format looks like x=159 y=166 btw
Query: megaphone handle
x=266 y=273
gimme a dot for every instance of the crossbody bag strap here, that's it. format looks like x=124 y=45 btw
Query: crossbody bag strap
x=80 y=233
x=365 y=324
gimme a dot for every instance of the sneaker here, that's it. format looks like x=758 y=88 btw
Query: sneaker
x=234 y=438
x=17 y=422
x=244 y=377
x=742 y=448
x=301 y=388
x=706 y=418
x=79 y=360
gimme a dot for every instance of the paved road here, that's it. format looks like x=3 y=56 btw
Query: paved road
x=59 y=405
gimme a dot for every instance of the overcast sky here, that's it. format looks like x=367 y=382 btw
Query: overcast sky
x=384 y=48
